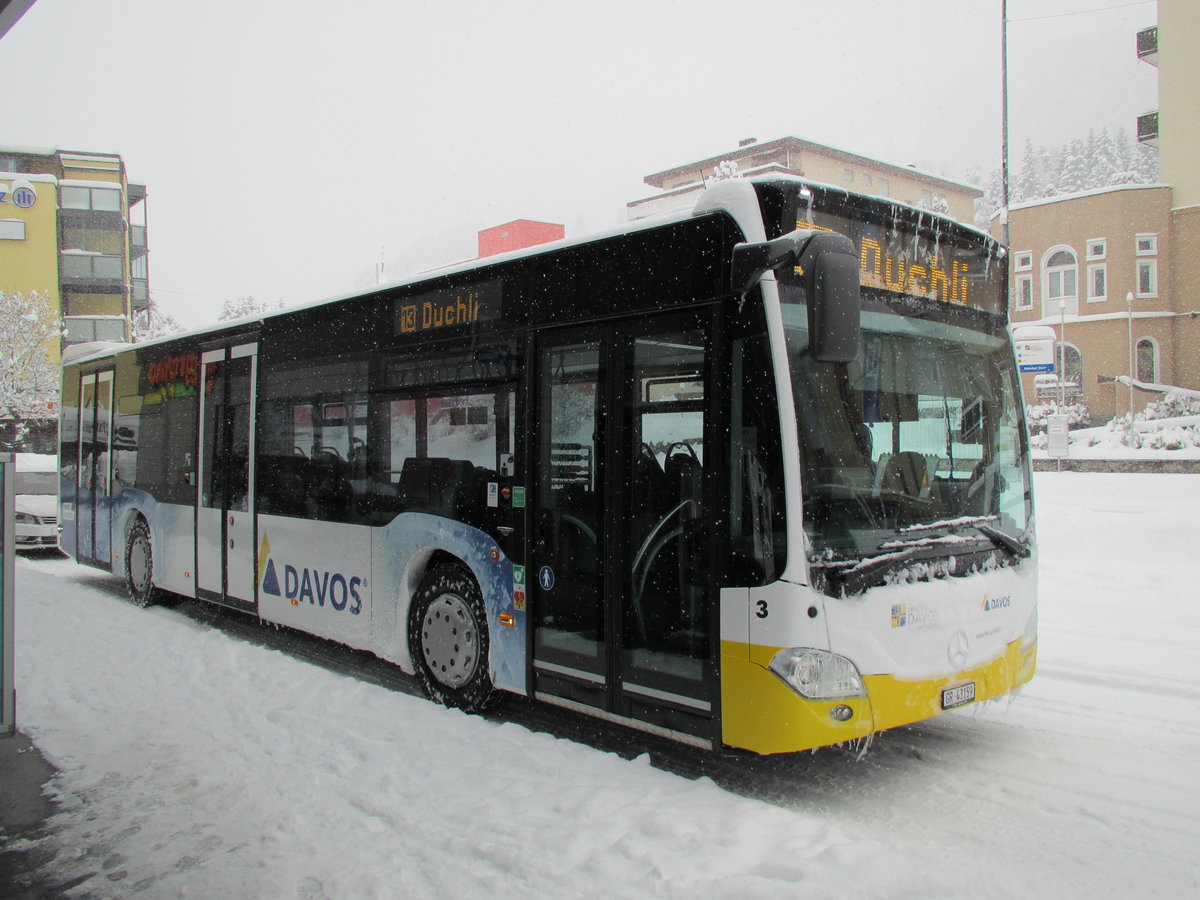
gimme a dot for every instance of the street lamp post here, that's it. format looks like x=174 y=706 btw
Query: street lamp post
x=1062 y=355
x=1129 y=307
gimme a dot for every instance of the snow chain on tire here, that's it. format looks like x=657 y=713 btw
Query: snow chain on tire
x=448 y=640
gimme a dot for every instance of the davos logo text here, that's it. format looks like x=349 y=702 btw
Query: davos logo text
x=315 y=587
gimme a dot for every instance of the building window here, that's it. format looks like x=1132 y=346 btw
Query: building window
x=1024 y=261
x=848 y=174
x=12 y=230
x=885 y=187
x=1097 y=282
x=868 y=181
x=93 y=265
x=1147 y=244
x=1147 y=361
x=103 y=199
x=1097 y=248
x=1060 y=281
x=1024 y=292
x=1147 y=278
x=1070 y=359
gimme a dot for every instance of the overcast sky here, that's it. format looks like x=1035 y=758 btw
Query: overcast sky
x=287 y=144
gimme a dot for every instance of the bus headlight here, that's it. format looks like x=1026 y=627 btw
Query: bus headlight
x=818 y=674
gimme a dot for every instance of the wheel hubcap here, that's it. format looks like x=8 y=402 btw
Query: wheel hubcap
x=450 y=640
x=139 y=563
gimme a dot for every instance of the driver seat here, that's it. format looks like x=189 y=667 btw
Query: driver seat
x=906 y=472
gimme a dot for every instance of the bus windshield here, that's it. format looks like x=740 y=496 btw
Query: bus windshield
x=914 y=450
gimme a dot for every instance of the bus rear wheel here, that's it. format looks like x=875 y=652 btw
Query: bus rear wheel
x=448 y=640
x=139 y=566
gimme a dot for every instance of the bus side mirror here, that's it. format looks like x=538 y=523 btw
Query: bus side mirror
x=834 y=301
x=828 y=266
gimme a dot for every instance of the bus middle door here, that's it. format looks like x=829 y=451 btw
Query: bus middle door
x=621 y=508
x=225 y=530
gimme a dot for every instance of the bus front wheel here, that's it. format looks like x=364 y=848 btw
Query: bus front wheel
x=448 y=639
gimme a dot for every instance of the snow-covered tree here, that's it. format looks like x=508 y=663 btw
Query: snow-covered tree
x=1145 y=164
x=1103 y=160
x=153 y=323
x=1072 y=169
x=29 y=329
x=1030 y=179
x=246 y=306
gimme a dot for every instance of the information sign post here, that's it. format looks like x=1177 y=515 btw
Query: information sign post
x=8 y=694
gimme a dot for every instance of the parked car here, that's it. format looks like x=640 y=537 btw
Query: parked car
x=36 y=501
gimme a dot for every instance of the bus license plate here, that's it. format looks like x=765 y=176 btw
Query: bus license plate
x=958 y=696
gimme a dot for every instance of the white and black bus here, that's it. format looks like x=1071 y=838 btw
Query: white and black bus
x=752 y=475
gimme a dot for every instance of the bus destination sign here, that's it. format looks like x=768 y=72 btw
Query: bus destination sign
x=902 y=260
x=449 y=307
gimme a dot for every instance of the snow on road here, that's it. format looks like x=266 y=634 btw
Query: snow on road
x=196 y=763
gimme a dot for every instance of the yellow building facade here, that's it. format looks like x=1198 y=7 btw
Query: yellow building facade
x=72 y=228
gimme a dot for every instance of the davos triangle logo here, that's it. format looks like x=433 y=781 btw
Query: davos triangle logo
x=268 y=579
x=270 y=582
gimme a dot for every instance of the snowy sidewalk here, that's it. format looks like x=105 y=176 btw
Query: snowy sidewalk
x=192 y=762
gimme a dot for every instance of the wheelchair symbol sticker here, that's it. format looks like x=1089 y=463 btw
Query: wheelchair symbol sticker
x=546 y=578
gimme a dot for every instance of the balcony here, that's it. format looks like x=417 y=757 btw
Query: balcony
x=1147 y=46
x=93 y=273
x=139 y=298
x=1147 y=129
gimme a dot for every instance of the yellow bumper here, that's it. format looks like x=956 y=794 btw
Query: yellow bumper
x=762 y=714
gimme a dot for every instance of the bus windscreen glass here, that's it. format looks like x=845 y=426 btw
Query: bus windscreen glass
x=916 y=443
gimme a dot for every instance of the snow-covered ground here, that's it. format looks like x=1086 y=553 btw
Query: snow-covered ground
x=196 y=763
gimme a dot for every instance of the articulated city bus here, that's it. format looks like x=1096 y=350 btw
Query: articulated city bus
x=752 y=475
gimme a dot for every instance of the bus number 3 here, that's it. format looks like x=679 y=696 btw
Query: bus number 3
x=762 y=609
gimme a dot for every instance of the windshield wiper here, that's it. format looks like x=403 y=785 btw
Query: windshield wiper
x=983 y=525
x=1005 y=540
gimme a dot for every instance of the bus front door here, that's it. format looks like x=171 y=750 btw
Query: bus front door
x=225 y=530
x=621 y=506
x=93 y=540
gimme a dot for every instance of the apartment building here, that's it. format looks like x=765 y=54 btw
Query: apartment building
x=73 y=228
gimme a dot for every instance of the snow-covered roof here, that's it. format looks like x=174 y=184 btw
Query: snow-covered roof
x=1079 y=195
x=88 y=183
x=760 y=147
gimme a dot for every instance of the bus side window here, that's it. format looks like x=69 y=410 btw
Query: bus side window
x=757 y=531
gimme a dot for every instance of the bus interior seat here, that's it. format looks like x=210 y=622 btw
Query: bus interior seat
x=684 y=473
x=906 y=472
x=435 y=484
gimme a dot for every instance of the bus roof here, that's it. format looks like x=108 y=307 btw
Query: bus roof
x=736 y=197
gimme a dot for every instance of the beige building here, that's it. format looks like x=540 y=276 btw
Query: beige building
x=792 y=156
x=1118 y=270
